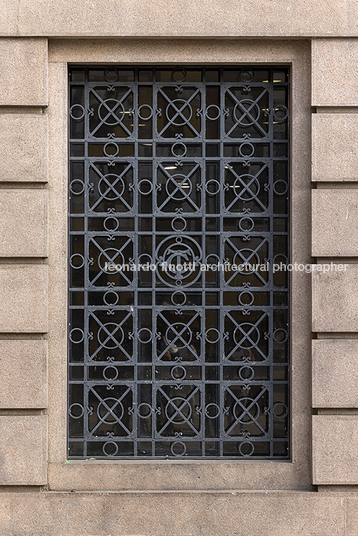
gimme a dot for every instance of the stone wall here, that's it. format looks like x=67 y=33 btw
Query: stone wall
x=315 y=493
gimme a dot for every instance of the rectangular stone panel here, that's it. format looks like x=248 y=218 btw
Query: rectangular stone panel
x=23 y=147
x=335 y=449
x=23 y=366
x=23 y=223
x=335 y=223
x=188 y=18
x=23 y=72
x=23 y=291
x=23 y=450
x=8 y=19
x=334 y=72
x=335 y=373
x=334 y=147
x=197 y=513
x=334 y=297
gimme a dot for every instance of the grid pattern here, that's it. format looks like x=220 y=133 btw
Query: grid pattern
x=178 y=319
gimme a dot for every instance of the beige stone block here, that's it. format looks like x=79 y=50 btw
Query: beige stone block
x=352 y=515
x=8 y=19
x=334 y=298
x=183 y=18
x=23 y=72
x=334 y=373
x=334 y=147
x=23 y=291
x=23 y=376
x=23 y=450
x=23 y=147
x=197 y=513
x=192 y=51
x=335 y=223
x=334 y=72
x=335 y=449
x=23 y=223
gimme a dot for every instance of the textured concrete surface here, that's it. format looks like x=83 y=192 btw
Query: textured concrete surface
x=133 y=475
x=23 y=223
x=334 y=72
x=334 y=147
x=334 y=303
x=23 y=147
x=334 y=373
x=335 y=223
x=182 y=18
x=23 y=366
x=23 y=450
x=335 y=449
x=8 y=20
x=23 y=72
x=173 y=514
x=23 y=291
x=190 y=51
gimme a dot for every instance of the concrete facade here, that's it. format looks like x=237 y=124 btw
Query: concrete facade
x=315 y=493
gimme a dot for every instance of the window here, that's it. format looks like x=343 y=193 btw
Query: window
x=178 y=298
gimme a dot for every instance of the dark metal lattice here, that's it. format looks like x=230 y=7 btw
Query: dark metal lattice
x=189 y=167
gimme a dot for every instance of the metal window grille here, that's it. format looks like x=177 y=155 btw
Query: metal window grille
x=179 y=210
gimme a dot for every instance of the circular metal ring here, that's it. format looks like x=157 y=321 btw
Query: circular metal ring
x=149 y=116
x=178 y=224
x=283 y=414
x=105 y=371
x=73 y=107
x=107 y=295
x=111 y=111
x=244 y=221
x=246 y=75
x=72 y=334
x=246 y=443
x=244 y=113
x=207 y=336
x=178 y=293
x=110 y=219
x=241 y=373
x=215 y=182
x=75 y=181
x=218 y=111
x=281 y=109
x=141 y=335
x=174 y=445
x=243 y=146
x=175 y=147
x=111 y=144
x=145 y=182
x=207 y=411
x=111 y=80
x=145 y=255
x=184 y=120
x=241 y=297
x=72 y=260
x=244 y=336
x=148 y=407
x=276 y=334
x=279 y=182
x=182 y=71
x=280 y=255
x=110 y=443
x=179 y=376
x=70 y=410
x=178 y=413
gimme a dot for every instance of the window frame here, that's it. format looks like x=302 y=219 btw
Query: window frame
x=180 y=474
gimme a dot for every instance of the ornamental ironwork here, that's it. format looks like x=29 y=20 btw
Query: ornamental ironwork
x=178 y=289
